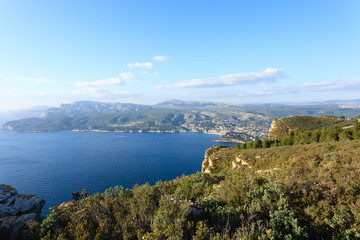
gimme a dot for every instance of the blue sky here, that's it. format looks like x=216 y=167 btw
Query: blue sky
x=254 y=51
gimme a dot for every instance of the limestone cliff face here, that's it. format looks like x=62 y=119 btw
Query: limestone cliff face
x=207 y=164
x=278 y=129
x=17 y=209
x=223 y=158
x=218 y=158
x=283 y=126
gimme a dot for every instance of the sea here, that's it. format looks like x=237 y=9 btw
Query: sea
x=52 y=165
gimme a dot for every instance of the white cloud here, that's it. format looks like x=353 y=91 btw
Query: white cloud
x=127 y=75
x=147 y=65
x=93 y=90
x=158 y=87
x=104 y=82
x=35 y=80
x=161 y=58
x=336 y=85
x=309 y=84
x=100 y=93
x=21 y=98
x=268 y=75
x=309 y=87
x=109 y=81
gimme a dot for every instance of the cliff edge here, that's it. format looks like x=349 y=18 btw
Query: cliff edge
x=218 y=158
x=278 y=129
x=283 y=126
x=16 y=210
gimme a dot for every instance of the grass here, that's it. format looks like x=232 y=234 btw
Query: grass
x=276 y=157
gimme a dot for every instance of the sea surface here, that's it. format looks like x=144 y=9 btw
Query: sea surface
x=53 y=165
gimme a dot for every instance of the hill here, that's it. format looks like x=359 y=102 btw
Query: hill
x=283 y=126
x=303 y=191
x=235 y=122
x=22 y=113
x=171 y=116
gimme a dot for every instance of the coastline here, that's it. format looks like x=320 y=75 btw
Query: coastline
x=150 y=131
x=229 y=141
x=211 y=132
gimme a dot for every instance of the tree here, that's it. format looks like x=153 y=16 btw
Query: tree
x=356 y=129
x=257 y=143
x=237 y=146
x=266 y=143
x=76 y=195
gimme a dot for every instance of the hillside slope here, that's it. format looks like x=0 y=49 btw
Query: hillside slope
x=223 y=158
x=283 y=126
x=237 y=123
x=306 y=191
x=171 y=116
x=294 y=190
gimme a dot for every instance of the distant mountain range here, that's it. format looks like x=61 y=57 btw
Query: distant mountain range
x=22 y=113
x=252 y=121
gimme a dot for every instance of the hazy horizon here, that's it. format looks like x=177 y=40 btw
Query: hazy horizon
x=330 y=101
x=143 y=52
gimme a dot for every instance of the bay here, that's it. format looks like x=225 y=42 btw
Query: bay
x=53 y=165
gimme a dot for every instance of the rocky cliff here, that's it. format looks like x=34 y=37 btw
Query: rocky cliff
x=278 y=129
x=283 y=126
x=17 y=209
x=218 y=158
x=223 y=158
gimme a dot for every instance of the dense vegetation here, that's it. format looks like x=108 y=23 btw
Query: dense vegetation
x=281 y=127
x=308 y=191
x=313 y=123
x=301 y=136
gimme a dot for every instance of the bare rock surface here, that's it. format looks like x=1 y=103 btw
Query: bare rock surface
x=17 y=209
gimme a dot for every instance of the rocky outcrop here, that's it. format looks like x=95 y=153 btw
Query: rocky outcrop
x=267 y=170
x=283 y=126
x=17 y=209
x=239 y=161
x=278 y=129
x=218 y=158
x=207 y=164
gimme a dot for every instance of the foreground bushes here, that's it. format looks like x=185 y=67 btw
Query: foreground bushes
x=313 y=195
x=298 y=136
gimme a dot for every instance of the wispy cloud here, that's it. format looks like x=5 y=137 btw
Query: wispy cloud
x=146 y=65
x=268 y=75
x=35 y=80
x=161 y=58
x=109 y=81
x=24 y=98
x=94 y=90
x=309 y=87
x=104 y=82
x=99 y=93
x=345 y=84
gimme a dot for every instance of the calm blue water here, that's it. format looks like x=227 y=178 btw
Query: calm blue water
x=53 y=165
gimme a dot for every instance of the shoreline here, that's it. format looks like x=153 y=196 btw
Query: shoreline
x=230 y=141
x=138 y=131
x=150 y=131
